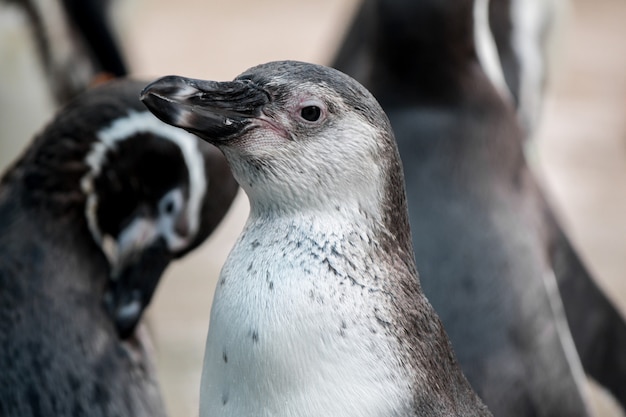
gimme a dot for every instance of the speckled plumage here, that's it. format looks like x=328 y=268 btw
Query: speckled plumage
x=63 y=349
x=318 y=310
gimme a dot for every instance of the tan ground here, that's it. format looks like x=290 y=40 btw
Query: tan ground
x=581 y=142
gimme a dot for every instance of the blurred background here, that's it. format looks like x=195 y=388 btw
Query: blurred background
x=580 y=145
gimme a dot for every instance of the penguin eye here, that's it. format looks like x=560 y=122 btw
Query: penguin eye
x=170 y=203
x=169 y=207
x=311 y=113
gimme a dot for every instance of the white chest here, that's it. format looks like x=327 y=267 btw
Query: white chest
x=297 y=331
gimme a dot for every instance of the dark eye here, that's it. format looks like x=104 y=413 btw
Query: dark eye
x=171 y=203
x=311 y=113
x=169 y=207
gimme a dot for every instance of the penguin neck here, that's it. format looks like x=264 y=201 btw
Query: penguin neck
x=383 y=214
x=425 y=49
x=336 y=221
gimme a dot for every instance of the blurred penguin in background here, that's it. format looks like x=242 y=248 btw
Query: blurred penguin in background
x=400 y=82
x=482 y=232
x=91 y=215
x=524 y=32
x=50 y=50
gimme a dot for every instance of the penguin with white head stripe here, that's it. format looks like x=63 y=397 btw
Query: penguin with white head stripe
x=103 y=200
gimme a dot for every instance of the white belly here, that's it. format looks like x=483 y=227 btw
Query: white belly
x=288 y=337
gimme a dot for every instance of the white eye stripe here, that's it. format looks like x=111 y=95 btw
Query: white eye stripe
x=171 y=203
x=124 y=128
x=167 y=220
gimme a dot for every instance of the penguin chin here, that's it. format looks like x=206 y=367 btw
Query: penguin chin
x=130 y=291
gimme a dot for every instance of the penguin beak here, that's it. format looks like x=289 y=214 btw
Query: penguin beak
x=214 y=111
x=131 y=290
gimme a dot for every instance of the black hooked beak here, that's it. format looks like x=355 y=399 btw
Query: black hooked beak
x=215 y=111
x=130 y=292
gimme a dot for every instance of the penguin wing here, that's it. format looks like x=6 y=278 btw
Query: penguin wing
x=59 y=354
x=598 y=328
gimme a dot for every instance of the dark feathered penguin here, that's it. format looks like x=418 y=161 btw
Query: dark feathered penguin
x=90 y=216
x=481 y=229
x=522 y=31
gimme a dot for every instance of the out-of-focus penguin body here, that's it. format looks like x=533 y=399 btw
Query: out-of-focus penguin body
x=477 y=217
x=524 y=32
x=90 y=216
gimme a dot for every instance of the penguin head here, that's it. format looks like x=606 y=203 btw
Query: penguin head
x=146 y=183
x=300 y=138
x=144 y=192
x=312 y=122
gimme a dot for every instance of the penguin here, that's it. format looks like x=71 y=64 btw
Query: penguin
x=51 y=51
x=480 y=225
x=103 y=199
x=318 y=310
x=525 y=33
